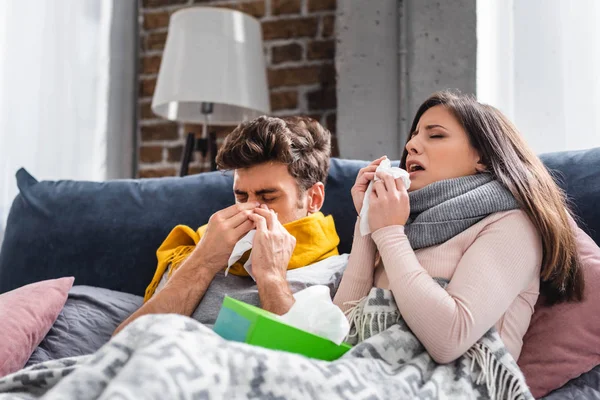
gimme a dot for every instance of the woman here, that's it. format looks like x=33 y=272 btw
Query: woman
x=483 y=213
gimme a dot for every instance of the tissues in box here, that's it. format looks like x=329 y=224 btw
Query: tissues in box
x=245 y=323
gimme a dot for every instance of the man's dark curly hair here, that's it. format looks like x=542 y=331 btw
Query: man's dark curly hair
x=299 y=142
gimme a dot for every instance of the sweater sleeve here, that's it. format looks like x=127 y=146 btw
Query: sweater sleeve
x=498 y=266
x=357 y=280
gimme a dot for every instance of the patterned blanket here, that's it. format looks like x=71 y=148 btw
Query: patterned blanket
x=175 y=357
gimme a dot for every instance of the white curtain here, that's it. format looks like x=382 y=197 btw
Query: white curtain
x=538 y=61
x=67 y=91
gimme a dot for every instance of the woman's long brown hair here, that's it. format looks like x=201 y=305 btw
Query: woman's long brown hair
x=508 y=157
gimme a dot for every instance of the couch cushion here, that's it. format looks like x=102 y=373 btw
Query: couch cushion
x=106 y=233
x=86 y=323
x=578 y=173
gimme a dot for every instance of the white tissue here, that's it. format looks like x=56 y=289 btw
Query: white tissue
x=314 y=312
x=385 y=166
x=242 y=246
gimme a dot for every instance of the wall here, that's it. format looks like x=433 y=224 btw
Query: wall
x=299 y=48
x=392 y=55
x=368 y=82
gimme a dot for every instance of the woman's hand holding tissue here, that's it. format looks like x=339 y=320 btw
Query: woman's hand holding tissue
x=224 y=229
x=364 y=177
x=271 y=252
x=389 y=202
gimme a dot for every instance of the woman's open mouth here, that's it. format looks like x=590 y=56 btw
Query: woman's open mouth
x=414 y=168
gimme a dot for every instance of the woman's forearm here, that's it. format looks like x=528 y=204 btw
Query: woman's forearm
x=357 y=280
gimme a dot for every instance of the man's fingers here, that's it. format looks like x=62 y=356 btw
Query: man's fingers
x=259 y=221
x=236 y=209
x=238 y=219
x=244 y=228
x=268 y=215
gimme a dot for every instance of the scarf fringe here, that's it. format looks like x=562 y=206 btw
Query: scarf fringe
x=361 y=322
x=177 y=258
x=492 y=371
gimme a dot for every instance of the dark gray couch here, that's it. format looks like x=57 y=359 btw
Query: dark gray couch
x=106 y=234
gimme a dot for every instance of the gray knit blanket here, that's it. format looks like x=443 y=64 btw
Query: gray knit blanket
x=372 y=316
x=174 y=357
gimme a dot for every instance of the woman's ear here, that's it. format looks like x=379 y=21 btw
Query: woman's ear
x=316 y=197
x=480 y=166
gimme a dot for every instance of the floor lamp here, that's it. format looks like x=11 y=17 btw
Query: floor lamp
x=212 y=73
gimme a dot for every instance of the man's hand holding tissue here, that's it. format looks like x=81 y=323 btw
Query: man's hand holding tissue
x=364 y=177
x=271 y=252
x=389 y=202
x=224 y=229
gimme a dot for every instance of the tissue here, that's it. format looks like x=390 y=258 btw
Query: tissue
x=385 y=166
x=242 y=246
x=314 y=312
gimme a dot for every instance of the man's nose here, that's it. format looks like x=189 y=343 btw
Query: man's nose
x=252 y=198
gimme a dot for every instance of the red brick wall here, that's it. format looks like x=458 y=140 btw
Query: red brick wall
x=299 y=45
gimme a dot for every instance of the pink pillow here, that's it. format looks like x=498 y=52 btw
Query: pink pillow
x=28 y=313
x=563 y=341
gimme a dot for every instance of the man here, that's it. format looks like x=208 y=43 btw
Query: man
x=280 y=167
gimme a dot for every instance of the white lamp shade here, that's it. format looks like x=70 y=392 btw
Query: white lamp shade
x=212 y=55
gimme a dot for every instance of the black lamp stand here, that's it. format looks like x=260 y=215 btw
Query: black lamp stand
x=207 y=143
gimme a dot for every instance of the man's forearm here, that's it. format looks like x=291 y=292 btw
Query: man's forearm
x=181 y=294
x=275 y=294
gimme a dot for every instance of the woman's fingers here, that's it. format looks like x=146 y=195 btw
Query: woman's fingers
x=369 y=176
x=388 y=180
x=371 y=168
x=400 y=184
x=378 y=189
x=367 y=169
x=378 y=161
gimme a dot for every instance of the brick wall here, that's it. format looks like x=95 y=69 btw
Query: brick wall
x=299 y=46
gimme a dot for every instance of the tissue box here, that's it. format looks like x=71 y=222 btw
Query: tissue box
x=245 y=323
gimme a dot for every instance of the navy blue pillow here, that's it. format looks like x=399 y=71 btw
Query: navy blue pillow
x=105 y=234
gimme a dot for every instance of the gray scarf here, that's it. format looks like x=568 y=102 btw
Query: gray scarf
x=444 y=209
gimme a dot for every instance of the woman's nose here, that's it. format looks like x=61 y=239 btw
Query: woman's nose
x=412 y=146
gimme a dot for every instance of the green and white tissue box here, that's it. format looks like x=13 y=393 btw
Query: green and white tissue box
x=245 y=323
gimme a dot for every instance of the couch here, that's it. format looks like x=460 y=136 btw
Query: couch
x=106 y=234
